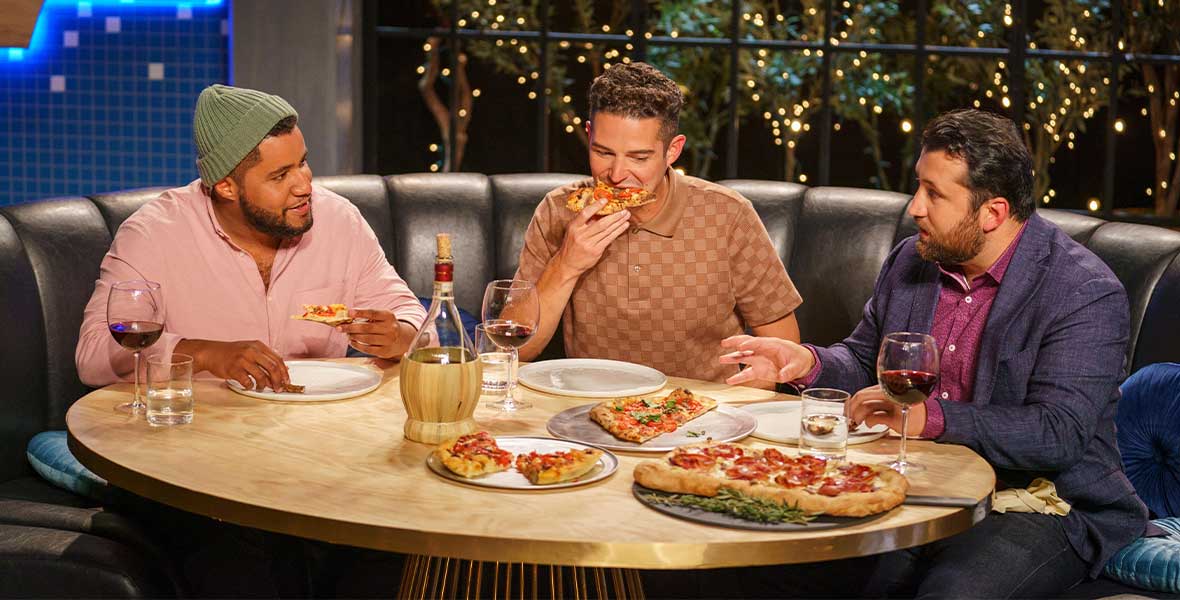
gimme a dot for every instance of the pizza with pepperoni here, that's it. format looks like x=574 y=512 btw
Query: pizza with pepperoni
x=556 y=467
x=812 y=484
x=617 y=198
x=473 y=455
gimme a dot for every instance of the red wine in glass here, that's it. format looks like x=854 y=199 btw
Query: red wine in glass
x=907 y=368
x=508 y=333
x=908 y=387
x=135 y=318
x=511 y=312
x=136 y=335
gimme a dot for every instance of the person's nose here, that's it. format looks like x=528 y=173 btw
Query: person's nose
x=917 y=208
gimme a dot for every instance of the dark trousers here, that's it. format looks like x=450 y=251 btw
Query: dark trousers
x=1013 y=555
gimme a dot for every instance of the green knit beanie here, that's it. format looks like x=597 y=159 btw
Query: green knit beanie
x=230 y=122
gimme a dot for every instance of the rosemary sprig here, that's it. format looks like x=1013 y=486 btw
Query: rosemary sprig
x=733 y=502
x=695 y=433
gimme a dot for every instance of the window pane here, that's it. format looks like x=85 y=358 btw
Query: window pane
x=703 y=76
x=872 y=101
x=1150 y=181
x=974 y=24
x=690 y=18
x=1078 y=25
x=780 y=115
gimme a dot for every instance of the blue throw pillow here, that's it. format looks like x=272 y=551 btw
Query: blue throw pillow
x=51 y=459
x=1149 y=439
x=1150 y=563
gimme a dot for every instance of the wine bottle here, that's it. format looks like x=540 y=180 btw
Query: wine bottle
x=440 y=373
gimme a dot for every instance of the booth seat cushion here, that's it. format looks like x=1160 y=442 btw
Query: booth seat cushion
x=1151 y=563
x=1149 y=436
x=52 y=460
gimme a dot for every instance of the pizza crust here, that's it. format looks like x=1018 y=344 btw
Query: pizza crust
x=663 y=476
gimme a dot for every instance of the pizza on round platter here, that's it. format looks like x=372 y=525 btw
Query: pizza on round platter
x=810 y=484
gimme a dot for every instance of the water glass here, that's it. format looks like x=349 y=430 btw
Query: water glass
x=823 y=428
x=499 y=365
x=170 y=389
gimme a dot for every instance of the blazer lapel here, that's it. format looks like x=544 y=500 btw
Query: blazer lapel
x=925 y=299
x=1021 y=281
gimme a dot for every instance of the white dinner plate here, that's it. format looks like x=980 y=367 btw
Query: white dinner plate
x=779 y=422
x=722 y=424
x=591 y=378
x=514 y=480
x=322 y=381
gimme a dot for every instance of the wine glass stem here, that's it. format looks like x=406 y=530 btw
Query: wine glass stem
x=136 y=403
x=514 y=356
x=905 y=421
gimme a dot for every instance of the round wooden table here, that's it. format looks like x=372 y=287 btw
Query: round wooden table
x=341 y=472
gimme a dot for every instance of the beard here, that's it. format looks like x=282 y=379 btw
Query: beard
x=272 y=224
x=956 y=247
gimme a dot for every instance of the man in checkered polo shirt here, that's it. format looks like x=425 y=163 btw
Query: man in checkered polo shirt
x=661 y=284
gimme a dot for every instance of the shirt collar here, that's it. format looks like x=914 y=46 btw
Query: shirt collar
x=668 y=219
x=994 y=272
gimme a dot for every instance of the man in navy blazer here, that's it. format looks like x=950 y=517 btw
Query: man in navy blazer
x=1032 y=329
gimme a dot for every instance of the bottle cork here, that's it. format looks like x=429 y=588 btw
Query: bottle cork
x=444 y=246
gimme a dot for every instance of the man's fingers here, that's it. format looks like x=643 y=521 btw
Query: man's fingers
x=371 y=314
x=734 y=341
x=588 y=212
x=734 y=357
x=743 y=376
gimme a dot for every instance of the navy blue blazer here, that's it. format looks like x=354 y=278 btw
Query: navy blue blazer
x=1046 y=381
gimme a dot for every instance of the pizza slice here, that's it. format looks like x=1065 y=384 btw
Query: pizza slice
x=637 y=419
x=811 y=484
x=473 y=455
x=617 y=198
x=329 y=314
x=556 y=467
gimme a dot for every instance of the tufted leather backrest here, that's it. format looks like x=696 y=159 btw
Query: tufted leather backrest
x=843 y=237
x=22 y=359
x=425 y=204
x=1140 y=255
x=117 y=206
x=778 y=204
x=65 y=240
x=516 y=198
x=1078 y=226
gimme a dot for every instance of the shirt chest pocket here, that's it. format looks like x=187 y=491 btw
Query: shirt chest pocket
x=308 y=339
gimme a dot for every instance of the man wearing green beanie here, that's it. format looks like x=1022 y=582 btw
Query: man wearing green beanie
x=239 y=251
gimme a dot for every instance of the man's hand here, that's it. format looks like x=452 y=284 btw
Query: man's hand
x=239 y=361
x=379 y=334
x=871 y=407
x=586 y=238
x=767 y=358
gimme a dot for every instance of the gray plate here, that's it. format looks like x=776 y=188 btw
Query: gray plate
x=722 y=424
x=513 y=480
x=689 y=513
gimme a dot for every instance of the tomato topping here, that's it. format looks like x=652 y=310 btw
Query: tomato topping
x=830 y=489
x=724 y=451
x=774 y=457
x=692 y=460
x=749 y=468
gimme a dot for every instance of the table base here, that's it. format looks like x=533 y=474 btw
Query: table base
x=434 y=577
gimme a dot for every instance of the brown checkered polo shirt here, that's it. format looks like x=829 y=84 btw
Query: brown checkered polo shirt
x=667 y=292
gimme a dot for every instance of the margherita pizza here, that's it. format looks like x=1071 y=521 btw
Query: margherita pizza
x=811 y=484
x=636 y=419
x=617 y=198
x=473 y=455
x=555 y=467
x=331 y=314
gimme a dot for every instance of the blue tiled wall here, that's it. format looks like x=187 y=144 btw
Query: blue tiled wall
x=103 y=98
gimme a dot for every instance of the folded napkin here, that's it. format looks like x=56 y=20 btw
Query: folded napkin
x=1040 y=497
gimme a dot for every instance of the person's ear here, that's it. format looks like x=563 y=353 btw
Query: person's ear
x=675 y=147
x=995 y=212
x=228 y=189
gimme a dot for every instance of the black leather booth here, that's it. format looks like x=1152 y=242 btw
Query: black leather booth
x=833 y=241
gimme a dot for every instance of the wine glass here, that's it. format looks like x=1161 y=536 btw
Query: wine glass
x=907 y=368
x=135 y=317
x=511 y=310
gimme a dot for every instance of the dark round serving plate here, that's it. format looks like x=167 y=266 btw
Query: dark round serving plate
x=697 y=515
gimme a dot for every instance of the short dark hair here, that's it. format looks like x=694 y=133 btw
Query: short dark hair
x=998 y=162
x=639 y=91
x=283 y=127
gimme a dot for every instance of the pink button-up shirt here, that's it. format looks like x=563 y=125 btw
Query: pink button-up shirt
x=213 y=291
